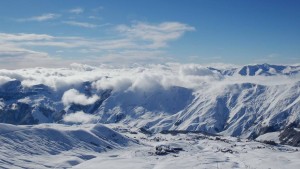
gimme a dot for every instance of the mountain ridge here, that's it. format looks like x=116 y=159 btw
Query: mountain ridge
x=248 y=101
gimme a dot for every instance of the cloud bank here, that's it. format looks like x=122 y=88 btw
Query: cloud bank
x=138 y=78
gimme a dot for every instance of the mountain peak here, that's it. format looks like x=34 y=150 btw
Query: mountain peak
x=268 y=70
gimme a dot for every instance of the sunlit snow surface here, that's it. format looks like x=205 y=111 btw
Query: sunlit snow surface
x=199 y=151
x=54 y=145
x=96 y=146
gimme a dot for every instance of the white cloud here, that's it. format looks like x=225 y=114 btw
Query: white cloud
x=81 y=67
x=7 y=50
x=4 y=79
x=44 y=17
x=95 y=17
x=81 y=24
x=158 y=34
x=147 y=82
x=13 y=56
x=24 y=37
x=60 y=44
x=135 y=78
x=138 y=42
x=116 y=84
x=137 y=36
x=195 y=70
x=79 y=117
x=77 y=10
x=73 y=96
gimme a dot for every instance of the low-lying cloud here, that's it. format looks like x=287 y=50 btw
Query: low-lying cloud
x=135 y=78
x=73 y=96
x=4 y=79
x=79 y=117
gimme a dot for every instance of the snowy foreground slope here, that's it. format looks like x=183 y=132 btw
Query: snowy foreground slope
x=55 y=145
x=94 y=146
x=196 y=151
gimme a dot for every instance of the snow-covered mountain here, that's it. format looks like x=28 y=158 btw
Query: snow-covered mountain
x=246 y=101
x=268 y=70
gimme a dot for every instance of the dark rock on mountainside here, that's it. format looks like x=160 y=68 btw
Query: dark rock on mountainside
x=166 y=149
x=17 y=113
x=291 y=135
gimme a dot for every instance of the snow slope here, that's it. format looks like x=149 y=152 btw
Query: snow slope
x=196 y=156
x=198 y=151
x=117 y=146
x=55 y=145
x=245 y=109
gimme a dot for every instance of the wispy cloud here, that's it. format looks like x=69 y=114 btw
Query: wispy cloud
x=81 y=24
x=76 y=10
x=24 y=37
x=44 y=17
x=79 y=117
x=137 y=36
x=138 y=42
x=13 y=56
x=158 y=34
x=95 y=17
x=11 y=50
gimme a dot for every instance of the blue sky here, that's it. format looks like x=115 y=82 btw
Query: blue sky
x=55 y=32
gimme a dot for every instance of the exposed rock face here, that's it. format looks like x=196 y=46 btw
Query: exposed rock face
x=291 y=135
